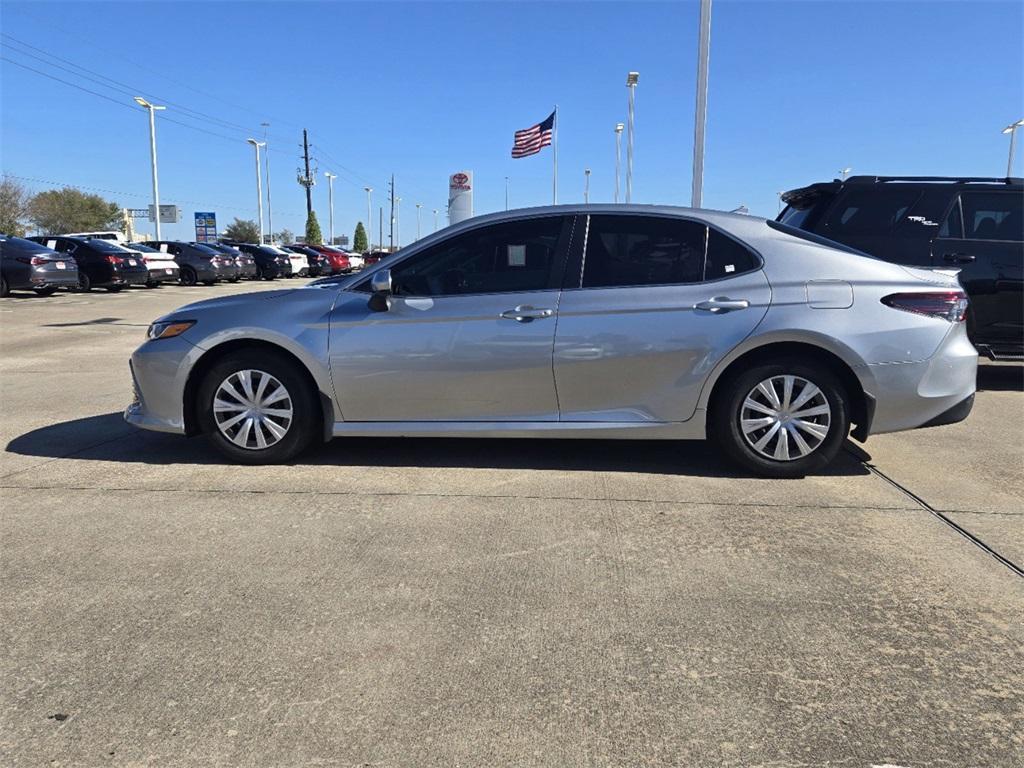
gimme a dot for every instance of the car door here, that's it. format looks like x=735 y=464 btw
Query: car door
x=658 y=302
x=468 y=332
x=983 y=235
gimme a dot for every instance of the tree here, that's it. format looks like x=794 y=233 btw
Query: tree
x=313 y=234
x=13 y=207
x=285 y=236
x=243 y=230
x=359 y=241
x=71 y=210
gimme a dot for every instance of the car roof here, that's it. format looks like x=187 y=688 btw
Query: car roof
x=1014 y=183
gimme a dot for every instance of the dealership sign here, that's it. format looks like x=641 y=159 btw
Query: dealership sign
x=206 y=227
x=460 y=196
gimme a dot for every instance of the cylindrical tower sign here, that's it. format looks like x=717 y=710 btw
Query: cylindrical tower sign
x=460 y=197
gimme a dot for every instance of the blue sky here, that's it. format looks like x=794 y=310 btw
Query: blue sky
x=798 y=90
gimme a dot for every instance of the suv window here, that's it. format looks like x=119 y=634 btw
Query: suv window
x=870 y=211
x=502 y=258
x=727 y=257
x=642 y=250
x=953 y=226
x=993 y=215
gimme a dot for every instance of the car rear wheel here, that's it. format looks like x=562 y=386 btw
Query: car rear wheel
x=114 y=288
x=187 y=275
x=209 y=282
x=84 y=283
x=4 y=289
x=258 y=408
x=784 y=419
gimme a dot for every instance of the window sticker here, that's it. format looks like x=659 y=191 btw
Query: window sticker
x=517 y=255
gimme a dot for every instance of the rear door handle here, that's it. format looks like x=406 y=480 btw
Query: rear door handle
x=721 y=304
x=960 y=258
x=524 y=313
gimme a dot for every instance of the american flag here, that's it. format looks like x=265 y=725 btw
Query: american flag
x=529 y=141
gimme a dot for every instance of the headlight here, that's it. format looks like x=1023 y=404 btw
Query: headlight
x=168 y=329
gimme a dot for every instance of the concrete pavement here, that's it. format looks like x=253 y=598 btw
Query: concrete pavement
x=475 y=602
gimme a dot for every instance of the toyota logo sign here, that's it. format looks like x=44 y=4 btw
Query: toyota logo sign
x=459 y=181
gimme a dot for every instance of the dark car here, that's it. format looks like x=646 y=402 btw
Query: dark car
x=195 y=261
x=246 y=264
x=268 y=261
x=26 y=265
x=975 y=225
x=319 y=264
x=101 y=263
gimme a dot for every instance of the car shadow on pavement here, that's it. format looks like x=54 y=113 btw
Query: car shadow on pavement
x=107 y=438
x=1001 y=378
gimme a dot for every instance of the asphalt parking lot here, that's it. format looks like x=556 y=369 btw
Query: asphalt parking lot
x=444 y=602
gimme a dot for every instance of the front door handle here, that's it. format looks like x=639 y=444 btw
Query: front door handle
x=960 y=258
x=524 y=313
x=721 y=304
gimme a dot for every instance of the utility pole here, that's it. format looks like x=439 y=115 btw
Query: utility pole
x=266 y=165
x=307 y=180
x=391 y=197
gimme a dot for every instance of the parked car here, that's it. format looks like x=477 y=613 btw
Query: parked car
x=108 y=234
x=318 y=264
x=228 y=269
x=975 y=225
x=291 y=264
x=373 y=257
x=268 y=262
x=27 y=265
x=162 y=268
x=246 y=264
x=648 y=322
x=101 y=263
x=339 y=263
x=354 y=260
x=195 y=262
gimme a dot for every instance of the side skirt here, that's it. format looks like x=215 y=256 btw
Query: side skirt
x=601 y=430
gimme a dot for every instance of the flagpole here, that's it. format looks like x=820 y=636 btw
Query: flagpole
x=554 y=175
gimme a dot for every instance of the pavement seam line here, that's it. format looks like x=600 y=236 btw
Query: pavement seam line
x=945 y=519
x=392 y=494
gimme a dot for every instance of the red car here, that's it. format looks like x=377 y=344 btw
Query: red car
x=339 y=262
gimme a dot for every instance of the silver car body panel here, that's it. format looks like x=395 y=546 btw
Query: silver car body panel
x=638 y=362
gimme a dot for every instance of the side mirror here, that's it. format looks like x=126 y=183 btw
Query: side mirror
x=380 y=286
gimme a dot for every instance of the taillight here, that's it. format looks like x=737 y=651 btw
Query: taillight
x=115 y=260
x=38 y=261
x=947 y=305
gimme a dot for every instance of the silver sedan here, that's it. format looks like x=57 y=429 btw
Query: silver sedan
x=633 y=322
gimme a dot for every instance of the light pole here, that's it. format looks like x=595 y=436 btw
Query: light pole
x=330 y=199
x=1010 y=129
x=266 y=165
x=586 y=185
x=844 y=173
x=618 y=156
x=152 y=158
x=418 y=206
x=506 y=193
x=259 y=184
x=435 y=219
x=631 y=80
x=369 y=213
x=701 y=115
x=398 y=222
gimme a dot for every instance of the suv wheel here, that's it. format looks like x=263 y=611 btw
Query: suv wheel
x=785 y=419
x=257 y=408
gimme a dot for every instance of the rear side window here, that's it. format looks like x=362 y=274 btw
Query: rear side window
x=727 y=257
x=642 y=250
x=993 y=215
x=870 y=211
x=953 y=226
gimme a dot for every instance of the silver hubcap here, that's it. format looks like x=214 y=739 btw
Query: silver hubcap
x=252 y=409
x=785 y=418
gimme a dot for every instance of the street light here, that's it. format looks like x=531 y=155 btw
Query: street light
x=369 y=214
x=844 y=173
x=1010 y=129
x=398 y=222
x=586 y=185
x=266 y=165
x=418 y=206
x=631 y=80
x=506 y=193
x=700 y=117
x=259 y=184
x=152 y=157
x=435 y=219
x=330 y=199
x=618 y=156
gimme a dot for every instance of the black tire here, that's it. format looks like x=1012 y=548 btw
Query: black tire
x=234 y=279
x=84 y=282
x=114 y=288
x=306 y=421
x=152 y=284
x=5 y=291
x=727 y=410
x=48 y=291
x=209 y=282
x=187 y=276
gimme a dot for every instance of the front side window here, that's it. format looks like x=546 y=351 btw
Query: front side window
x=642 y=250
x=511 y=257
x=870 y=211
x=993 y=215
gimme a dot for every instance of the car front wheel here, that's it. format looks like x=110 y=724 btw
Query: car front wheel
x=784 y=419
x=258 y=408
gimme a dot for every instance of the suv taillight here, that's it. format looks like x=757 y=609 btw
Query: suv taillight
x=947 y=305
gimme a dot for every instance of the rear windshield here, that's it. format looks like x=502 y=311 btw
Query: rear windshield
x=27 y=246
x=141 y=248
x=204 y=249
x=805 y=206
x=810 y=237
x=105 y=246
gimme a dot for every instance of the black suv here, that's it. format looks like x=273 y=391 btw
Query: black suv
x=972 y=224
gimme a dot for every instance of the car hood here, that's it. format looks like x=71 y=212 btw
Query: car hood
x=235 y=303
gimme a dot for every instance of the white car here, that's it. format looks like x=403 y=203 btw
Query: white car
x=354 y=259
x=161 y=265
x=300 y=264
